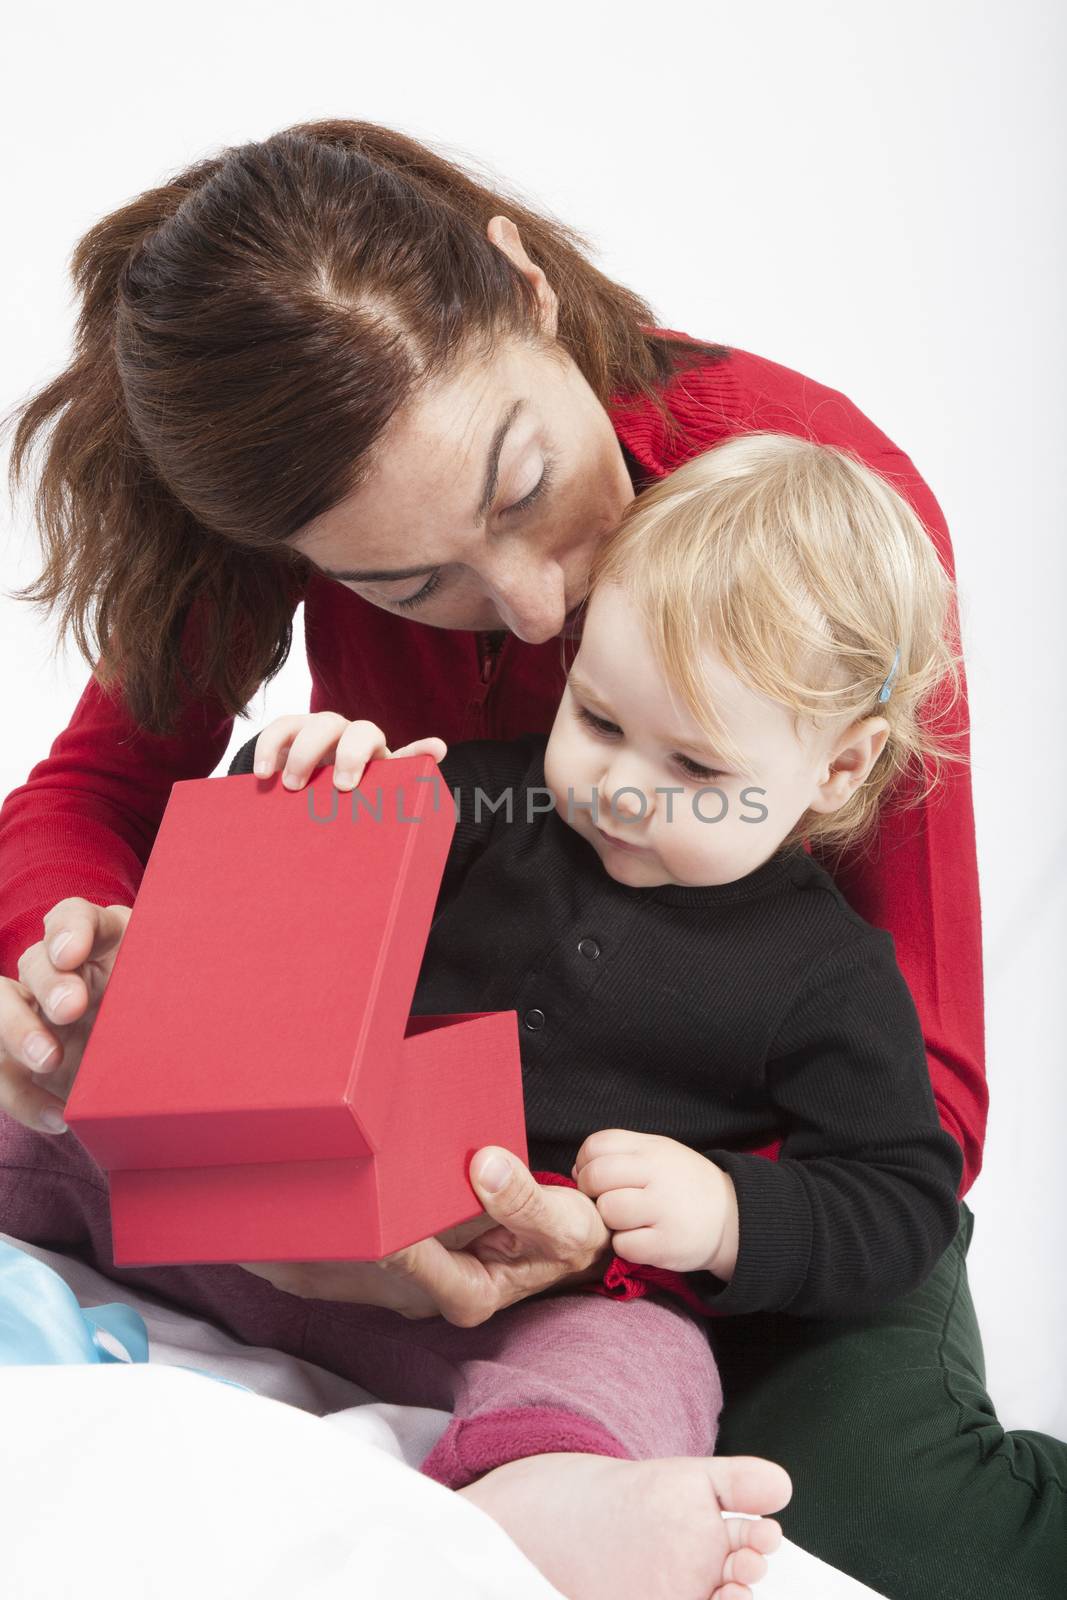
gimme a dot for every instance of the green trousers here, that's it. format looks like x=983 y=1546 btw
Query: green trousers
x=902 y=1475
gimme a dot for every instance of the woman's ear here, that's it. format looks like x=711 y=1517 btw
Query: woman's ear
x=503 y=233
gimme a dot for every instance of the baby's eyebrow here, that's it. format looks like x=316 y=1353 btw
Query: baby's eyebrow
x=706 y=757
x=576 y=686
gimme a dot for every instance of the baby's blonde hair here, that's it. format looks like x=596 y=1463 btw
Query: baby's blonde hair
x=804 y=569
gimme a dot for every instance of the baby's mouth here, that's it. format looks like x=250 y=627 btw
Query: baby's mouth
x=622 y=844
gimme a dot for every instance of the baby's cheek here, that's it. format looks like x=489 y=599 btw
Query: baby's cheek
x=701 y=851
x=717 y=837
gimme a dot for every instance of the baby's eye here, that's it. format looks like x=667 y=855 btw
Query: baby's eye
x=608 y=730
x=597 y=724
x=702 y=774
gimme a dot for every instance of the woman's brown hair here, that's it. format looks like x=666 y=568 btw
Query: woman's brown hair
x=246 y=331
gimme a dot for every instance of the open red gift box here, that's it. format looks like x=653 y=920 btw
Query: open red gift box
x=254 y=1085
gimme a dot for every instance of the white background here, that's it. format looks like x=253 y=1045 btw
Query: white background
x=871 y=195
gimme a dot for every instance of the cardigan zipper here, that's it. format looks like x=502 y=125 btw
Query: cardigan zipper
x=489 y=649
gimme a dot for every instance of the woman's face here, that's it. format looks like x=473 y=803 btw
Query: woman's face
x=488 y=498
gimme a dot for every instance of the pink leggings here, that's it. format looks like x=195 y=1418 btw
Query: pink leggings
x=573 y=1371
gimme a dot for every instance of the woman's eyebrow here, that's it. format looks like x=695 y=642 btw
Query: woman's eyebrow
x=492 y=469
x=492 y=466
x=376 y=577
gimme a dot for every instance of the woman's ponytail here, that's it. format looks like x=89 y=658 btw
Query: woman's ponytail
x=245 y=334
x=126 y=563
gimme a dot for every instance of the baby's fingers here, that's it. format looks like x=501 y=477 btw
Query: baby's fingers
x=423 y=747
x=327 y=736
x=317 y=732
x=363 y=742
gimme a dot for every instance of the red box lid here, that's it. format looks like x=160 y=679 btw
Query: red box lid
x=265 y=978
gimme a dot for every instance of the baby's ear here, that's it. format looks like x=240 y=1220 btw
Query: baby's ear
x=242 y=761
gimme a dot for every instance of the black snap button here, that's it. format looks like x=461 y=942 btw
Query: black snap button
x=534 y=1019
x=588 y=948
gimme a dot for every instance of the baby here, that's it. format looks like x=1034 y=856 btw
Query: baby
x=763 y=630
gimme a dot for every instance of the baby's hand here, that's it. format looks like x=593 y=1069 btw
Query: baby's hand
x=667 y=1205
x=302 y=743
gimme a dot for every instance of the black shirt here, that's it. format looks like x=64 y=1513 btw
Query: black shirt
x=724 y=1017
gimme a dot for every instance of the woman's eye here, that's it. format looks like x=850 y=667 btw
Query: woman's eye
x=431 y=586
x=535 y=493
x=433 y=583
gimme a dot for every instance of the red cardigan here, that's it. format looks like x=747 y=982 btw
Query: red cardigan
x=84 y=821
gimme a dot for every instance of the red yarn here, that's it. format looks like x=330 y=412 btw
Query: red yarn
x=630 y=1280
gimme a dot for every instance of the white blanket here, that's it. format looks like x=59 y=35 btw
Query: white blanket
x=148 y=1483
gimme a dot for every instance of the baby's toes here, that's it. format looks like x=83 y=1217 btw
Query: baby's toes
x=732 y=1591
x=744 y=1566
x=761 y=1533
x=751 y=1539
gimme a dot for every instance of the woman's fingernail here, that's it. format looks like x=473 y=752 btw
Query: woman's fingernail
x=262 y=769
x=290 y=780
x=59 y=944
x=343 y=777
x=38 y=1048
x=59 y=996
x=494 y=1173
x=52 y=1120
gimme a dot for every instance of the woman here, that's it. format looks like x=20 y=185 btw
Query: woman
x=332 y=366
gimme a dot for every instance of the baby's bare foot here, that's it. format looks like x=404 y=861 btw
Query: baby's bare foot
x=604 y=1529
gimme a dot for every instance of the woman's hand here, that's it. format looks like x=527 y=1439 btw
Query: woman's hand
x=301 y=743
x=365 y=1283
x=534 y=1238
x=61 y=989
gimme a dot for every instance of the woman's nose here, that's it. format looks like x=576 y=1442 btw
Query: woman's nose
x=532 y=603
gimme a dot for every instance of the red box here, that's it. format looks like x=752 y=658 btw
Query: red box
x=253 y=1083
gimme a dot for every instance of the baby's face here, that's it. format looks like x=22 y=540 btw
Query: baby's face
x=620 y=727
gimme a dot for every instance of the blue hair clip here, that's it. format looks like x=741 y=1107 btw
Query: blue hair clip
x=887 y=688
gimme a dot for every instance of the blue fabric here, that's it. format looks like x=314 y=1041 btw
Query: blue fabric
x=42 y=1324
